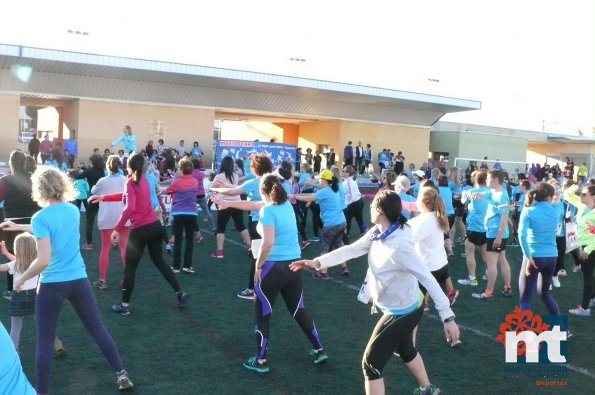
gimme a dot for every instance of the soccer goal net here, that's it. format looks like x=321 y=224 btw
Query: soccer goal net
x=510 y=167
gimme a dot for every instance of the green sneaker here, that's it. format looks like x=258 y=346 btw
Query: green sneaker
x=319 y=356
x=429 y=390
x=253 y=364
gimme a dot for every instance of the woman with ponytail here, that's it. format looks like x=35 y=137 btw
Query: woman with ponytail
x=395 y=270
x=354 y=202
x=145 y=231
x=279 y=247
x=331 y=205
x=427 y=233
x=538 y=225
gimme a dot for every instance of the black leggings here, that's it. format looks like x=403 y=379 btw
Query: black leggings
x=561 y=245
x=297 y=211
x=224 y=215
x=276 y=277
x=316 y=221
x=91 y=214
x=354 y=210
x=184 y=225
x=392 y=333
x=148 y=235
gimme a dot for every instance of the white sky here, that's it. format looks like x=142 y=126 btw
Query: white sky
x=529 y=62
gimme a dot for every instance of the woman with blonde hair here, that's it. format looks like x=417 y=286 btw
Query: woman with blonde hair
x=427 y=233
x=402 y=186
x=62 y=274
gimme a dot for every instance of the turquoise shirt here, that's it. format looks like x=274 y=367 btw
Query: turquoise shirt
x=537 y=230
x=82 y=189
x=494 y=214
x=152 y=180
x=331 y=206
x=286 y=245
x=252 y=189
x=476 y=210
x=12 y=377
x=446 y=195
x=60 y=222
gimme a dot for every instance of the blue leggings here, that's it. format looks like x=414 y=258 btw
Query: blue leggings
x=47 y=310
x=540 y=278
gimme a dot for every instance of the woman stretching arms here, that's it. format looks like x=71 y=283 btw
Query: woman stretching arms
x=396 y=270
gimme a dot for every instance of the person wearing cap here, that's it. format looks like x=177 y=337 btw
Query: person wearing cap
x=418 y=177
x=331 y=205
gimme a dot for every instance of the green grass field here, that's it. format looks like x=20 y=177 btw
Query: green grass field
x=200 y=349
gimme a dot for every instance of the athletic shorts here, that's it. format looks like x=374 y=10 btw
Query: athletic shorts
x=490 y=245
x=477 y=238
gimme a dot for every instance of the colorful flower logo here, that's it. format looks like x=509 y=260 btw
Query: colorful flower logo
x=520 y=321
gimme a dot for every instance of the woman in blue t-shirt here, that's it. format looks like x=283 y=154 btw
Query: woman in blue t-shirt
x=331 y=204
x=62 y=274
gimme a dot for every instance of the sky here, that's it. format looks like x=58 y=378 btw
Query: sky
x=529 y=62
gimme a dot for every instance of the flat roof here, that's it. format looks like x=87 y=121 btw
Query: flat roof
x=67 y=74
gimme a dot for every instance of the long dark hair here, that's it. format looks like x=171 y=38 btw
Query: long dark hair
x=284 y=170
x=17 y=163
x=540 y=193
x=227 y=168
x=271 y=186
x=136 y=163
x=334 y=184
x=390 y=204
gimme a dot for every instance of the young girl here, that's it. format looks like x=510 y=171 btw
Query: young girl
x=22 y=303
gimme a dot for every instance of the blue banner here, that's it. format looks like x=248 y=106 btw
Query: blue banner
x=237 y=149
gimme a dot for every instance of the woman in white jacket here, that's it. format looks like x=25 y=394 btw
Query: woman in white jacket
x=395 y=271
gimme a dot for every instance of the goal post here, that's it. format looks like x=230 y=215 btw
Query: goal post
x=510 y=167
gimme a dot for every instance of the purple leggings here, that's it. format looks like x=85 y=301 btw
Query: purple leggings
x=47 y=309
x=540 y=278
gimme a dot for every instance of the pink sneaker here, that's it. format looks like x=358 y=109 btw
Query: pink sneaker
x=217 y=254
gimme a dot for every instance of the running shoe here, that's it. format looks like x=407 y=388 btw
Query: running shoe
x=556 y=281
x=507 y=291
x=199 y=239
x=124 y=382
x=463 y=255
x=175 y=270
x=315 y=238
x=246 y=294
x=429 y=390
x=426 y=306
x=562 y=273
x=576 y=268
x=319 y=356
x=344 y=271
x=468 y=281
x=450 y=256
x=253 y=364
x=7 y=295
x=119 y=309
x=452 y=296
x=59 y=350
x=182 y=299
x=321 y=275
x=217 y=254
x=87 y=246
x=579 y=311
x=101 y=284
x=189 y=270
x=305 y=244
x=483 y=296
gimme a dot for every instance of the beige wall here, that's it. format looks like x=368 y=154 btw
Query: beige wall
x=9 y=125
x=100 y=123
x=413 y=141
x=313 y=134
x=242 y=130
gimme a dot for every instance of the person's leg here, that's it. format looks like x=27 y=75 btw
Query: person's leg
x=298 y=220
x=266 y=293
x=359 y=215
x=190 y=227
x=16 y=325
x=316 y=220
x=470 y=258
x=204 y=206
x=492 y=268
x=293 y=295
x=504 y=269
x=222 y=219
x=156 y=253
x=83 y=301
x=104 y=252
x=122 y=243
x=561 y=247
x=254 y=235
x=304 y=211
x=526 y=285
x=178 y=232
x=587 y=269
x=47 y=309
x=134 y=250
x=546 y=268
x=90 y=216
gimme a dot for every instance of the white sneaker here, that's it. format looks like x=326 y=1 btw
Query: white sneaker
x=556 y=281
x=562 y=273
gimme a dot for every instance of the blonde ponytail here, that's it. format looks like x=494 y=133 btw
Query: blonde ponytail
x=432 y=200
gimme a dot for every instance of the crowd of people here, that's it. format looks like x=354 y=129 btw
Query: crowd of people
x=415 y=219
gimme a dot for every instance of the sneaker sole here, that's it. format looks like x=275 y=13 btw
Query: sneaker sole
x=246 y=297
x=321 y=360
x=254 y=368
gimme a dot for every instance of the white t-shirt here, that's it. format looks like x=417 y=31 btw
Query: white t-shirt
x=428 y=239
x=29 y=284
